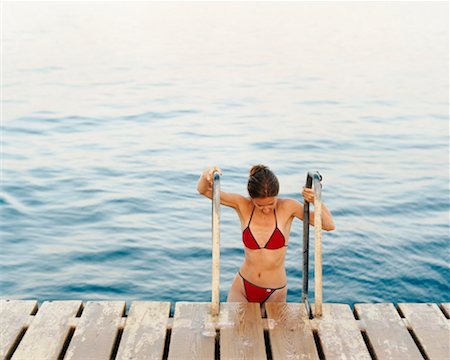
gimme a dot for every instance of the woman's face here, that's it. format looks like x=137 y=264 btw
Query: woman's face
x=265 y=205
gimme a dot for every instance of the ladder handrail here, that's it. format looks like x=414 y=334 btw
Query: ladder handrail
x=215 y=300
x=313 y=180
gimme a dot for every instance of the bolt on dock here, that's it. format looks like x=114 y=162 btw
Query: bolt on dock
x=100 y=330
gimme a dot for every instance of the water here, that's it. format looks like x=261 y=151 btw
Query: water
x=110 y=113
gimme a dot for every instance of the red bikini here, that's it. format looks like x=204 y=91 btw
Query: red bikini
x=255 y=293
x=276 y=240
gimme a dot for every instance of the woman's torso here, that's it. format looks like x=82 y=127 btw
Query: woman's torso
x=263 y=266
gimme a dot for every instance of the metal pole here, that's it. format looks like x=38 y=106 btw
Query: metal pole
x=317 y=247
x=310 y=177
x=215 y=245
x=305 y=268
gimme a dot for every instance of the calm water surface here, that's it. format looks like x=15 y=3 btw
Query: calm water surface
x=111 y=111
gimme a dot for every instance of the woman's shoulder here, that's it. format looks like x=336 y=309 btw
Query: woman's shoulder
x=236 y=201
x=246 y=202
x=287 y=202
x=289 y=205
x=244 y=208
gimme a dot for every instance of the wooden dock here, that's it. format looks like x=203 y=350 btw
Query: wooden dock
x=103 y=330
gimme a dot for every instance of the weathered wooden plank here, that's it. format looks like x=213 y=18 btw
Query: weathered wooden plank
x=96 y=331
x=241 y=331
x=446 y=308
x=290 y=332
x=341 y=312
x=47 y=333
x=14 y=315
x=339 y=334
x=193 y=332
x=430 y=327
x=145 y=331
x=387 y=332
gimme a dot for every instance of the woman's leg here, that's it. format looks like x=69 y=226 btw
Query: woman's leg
x=237 y=291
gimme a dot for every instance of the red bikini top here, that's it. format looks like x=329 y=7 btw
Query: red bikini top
x=276 y=240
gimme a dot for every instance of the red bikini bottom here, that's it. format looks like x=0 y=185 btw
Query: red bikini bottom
x=255 y=293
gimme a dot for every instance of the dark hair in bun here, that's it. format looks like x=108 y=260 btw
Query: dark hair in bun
x=262 y=182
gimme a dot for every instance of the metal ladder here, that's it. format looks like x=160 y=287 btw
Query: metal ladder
x=312 y=180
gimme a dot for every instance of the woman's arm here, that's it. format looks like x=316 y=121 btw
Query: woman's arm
x=204 y=187
x=297 y=210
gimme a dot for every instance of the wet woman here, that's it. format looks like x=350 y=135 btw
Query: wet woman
x=265 y=223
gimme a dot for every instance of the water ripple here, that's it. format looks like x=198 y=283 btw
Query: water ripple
x=102 y=146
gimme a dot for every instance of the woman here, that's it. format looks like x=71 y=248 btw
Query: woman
x=266 y=223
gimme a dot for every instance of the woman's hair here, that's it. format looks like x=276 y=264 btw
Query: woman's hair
x=262 y=182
